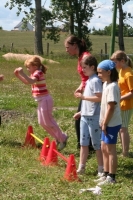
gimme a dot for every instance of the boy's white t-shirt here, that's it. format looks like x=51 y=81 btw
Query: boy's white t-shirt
x=93 y=86
x=111 y=93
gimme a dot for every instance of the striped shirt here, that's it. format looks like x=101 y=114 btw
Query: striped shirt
x=39 y=87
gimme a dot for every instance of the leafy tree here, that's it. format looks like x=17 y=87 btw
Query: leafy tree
x=46 y=21
x=77 y=13
x=38 y=49
x=1 y=28
x=123 y=16
x=39 y=17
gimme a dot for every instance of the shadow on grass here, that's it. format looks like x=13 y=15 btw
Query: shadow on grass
x=10 y=143
x=16 y=144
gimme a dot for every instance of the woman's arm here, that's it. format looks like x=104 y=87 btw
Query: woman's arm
x=79 y=89
x=77 y=115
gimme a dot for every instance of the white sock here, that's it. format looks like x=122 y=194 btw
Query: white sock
x=100 y=169
x=81 y=166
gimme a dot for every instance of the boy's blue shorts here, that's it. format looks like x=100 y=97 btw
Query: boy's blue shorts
x=111 y=136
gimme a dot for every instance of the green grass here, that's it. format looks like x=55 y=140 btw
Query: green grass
x=21 y=174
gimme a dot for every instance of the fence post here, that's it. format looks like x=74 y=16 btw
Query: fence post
x=101 y=54
x=11 y=47
x=106 y=50
x=3 y=47
x=47 y=49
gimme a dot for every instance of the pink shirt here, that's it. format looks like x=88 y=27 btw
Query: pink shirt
x=39 y=87
x=79 y=68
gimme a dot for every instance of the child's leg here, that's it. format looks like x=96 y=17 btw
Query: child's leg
x=83 y=154
x=84 y=151
x=47 y=121
x=84 y=142
x=124 y=135
x=95 y=133
x=125 y=140
x=105 y=157
x=111 y=148
x=99 y=157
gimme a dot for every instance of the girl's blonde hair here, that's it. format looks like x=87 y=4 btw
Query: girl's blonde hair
x=35 y=61
x=121 y=55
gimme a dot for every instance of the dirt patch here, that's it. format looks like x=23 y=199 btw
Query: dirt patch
x=23 y=57
x=9 y=115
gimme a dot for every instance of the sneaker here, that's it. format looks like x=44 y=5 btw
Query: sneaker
x=63 y=144
x=100 y=174
x=108 y=180
x=101 y=179
x=80 y=170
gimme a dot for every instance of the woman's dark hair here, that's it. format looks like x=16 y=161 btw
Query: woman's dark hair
x=90 y=60
x=114 y=75
x=80 y=43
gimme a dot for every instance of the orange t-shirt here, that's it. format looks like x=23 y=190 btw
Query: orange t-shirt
x=126 y=85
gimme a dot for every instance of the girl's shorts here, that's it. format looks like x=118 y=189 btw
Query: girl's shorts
x=111 y=136
x=89 y=128
x=126 y=116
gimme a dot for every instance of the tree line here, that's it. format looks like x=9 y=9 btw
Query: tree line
x=127 y=30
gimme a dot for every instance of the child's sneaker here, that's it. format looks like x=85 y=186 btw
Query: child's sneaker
x=63 y=144
x=108 y=180
x=101 y=179
x=81 y=170
x=100 y=174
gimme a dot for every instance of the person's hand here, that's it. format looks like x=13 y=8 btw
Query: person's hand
x=18 y=71
x=77 y=115
x=1 y=77
x=78 y=90
x=78 y=95
x=104 y=127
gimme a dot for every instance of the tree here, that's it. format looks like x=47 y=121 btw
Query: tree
x=77 y=13
x=39 y=17
x=123 y=16
x=38 y=49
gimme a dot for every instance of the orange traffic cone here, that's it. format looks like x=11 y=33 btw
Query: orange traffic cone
x=71 y=173
x=45 y=149
x=52 y=158
x=29 y=140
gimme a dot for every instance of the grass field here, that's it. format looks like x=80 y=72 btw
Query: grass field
x=24 y=42
x=21 y=174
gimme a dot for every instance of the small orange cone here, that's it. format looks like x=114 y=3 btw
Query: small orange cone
x=45 y=149
x=71 y=173
x=29 y=140
x=52 y=158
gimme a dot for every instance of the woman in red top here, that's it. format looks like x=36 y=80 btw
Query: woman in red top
x=75 y=46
